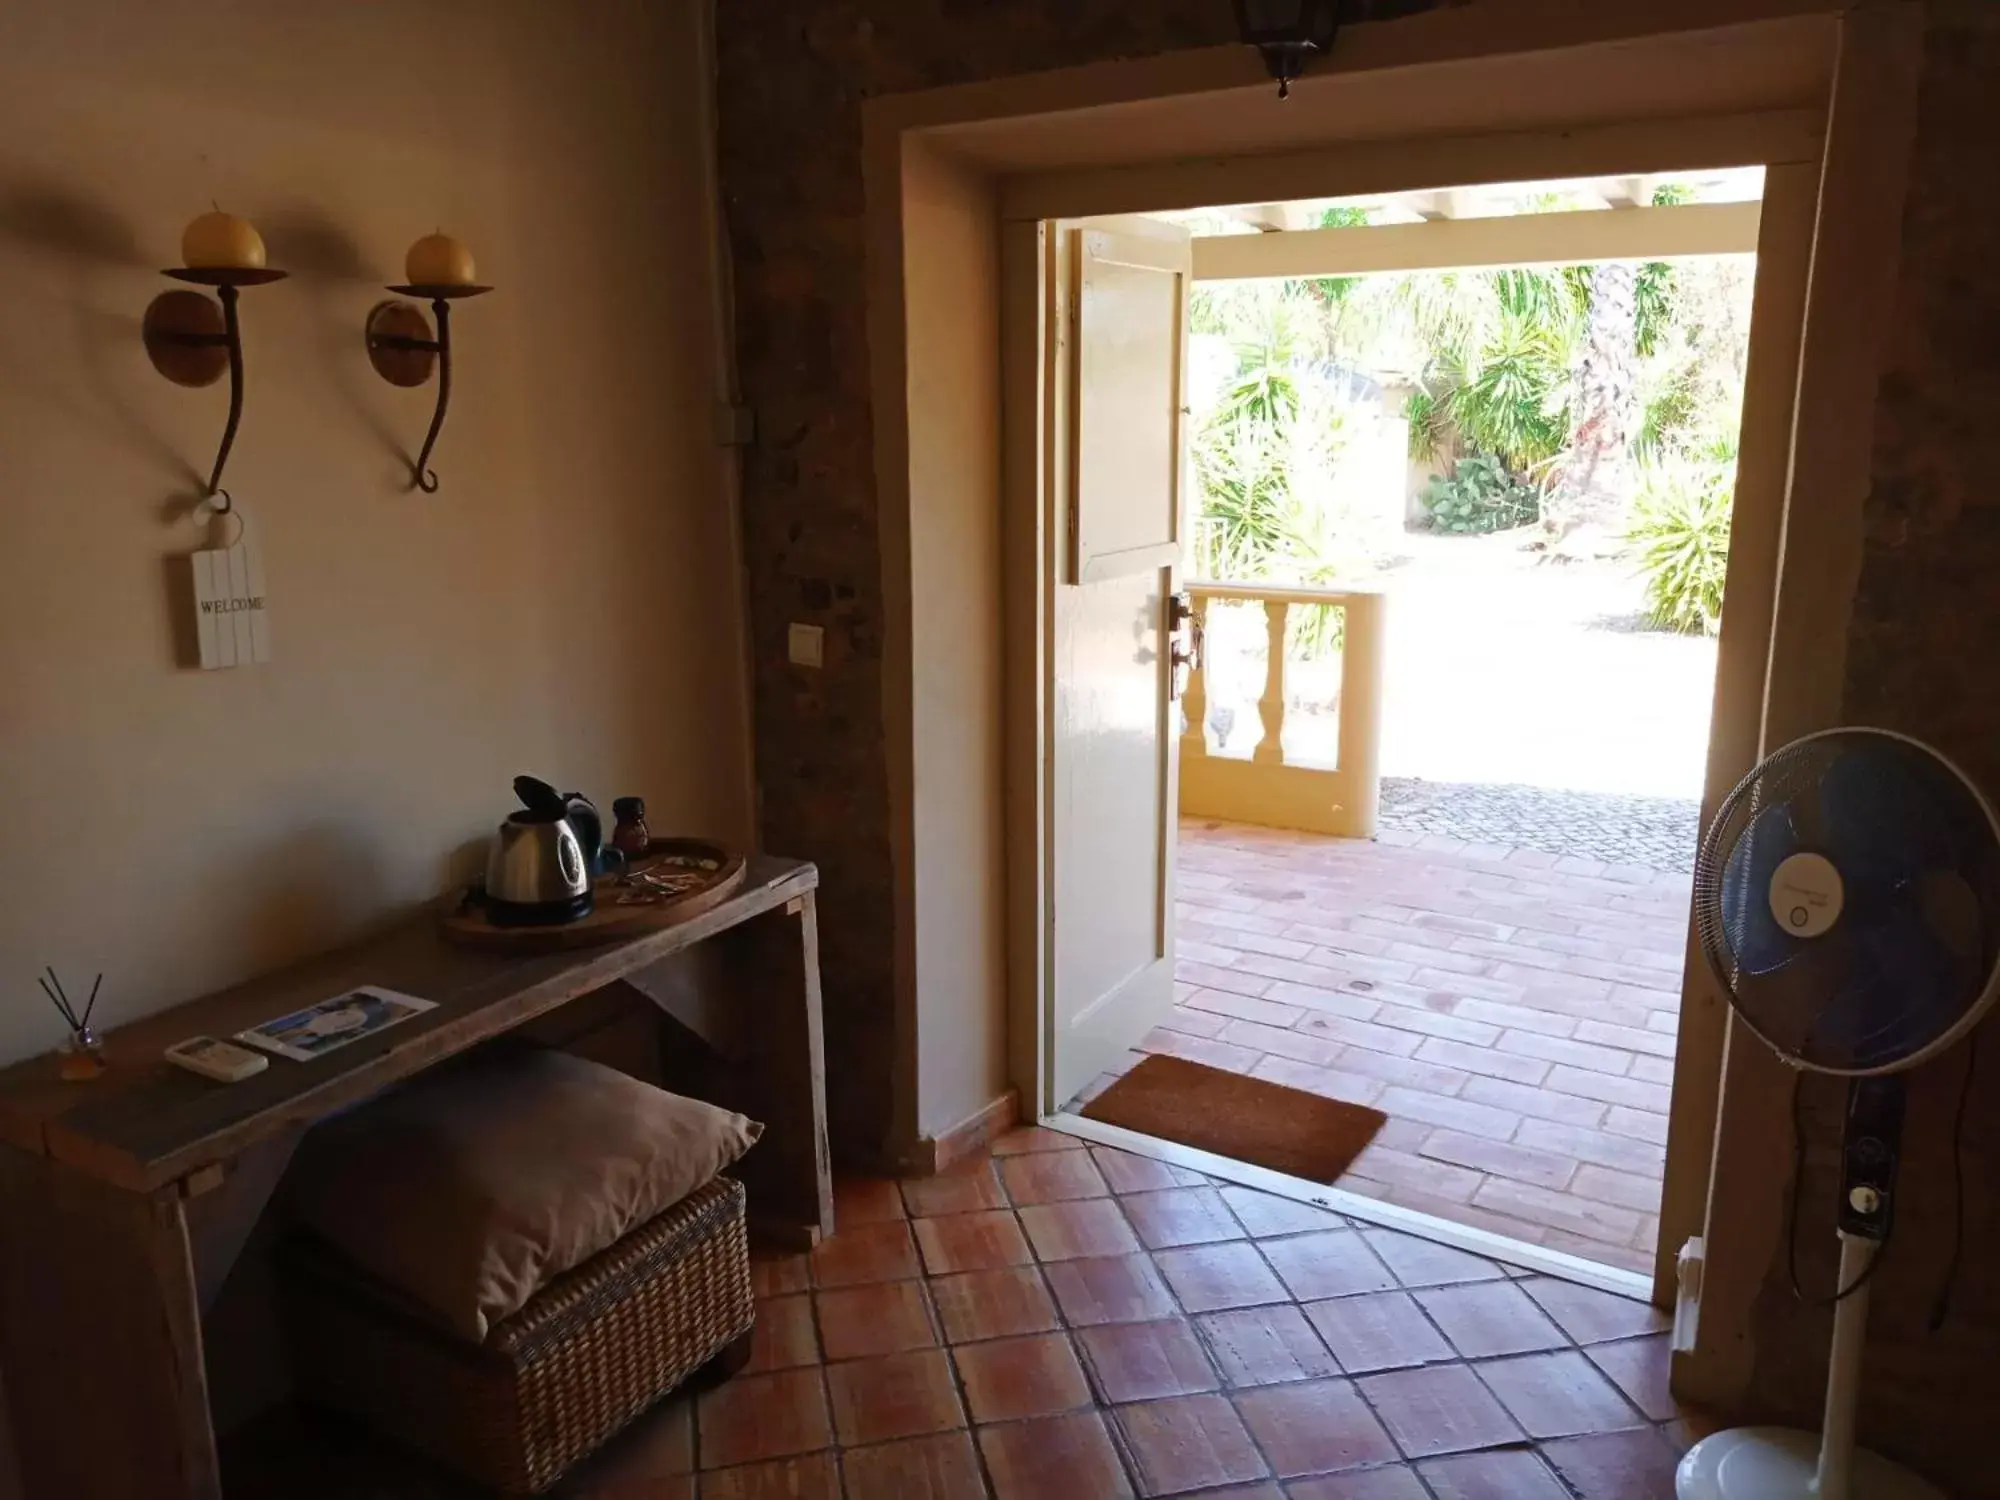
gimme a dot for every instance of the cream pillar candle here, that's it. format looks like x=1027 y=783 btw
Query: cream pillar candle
x=438 y=260
x=218 y=241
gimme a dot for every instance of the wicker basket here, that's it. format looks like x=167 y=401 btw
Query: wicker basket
x=591 y=1350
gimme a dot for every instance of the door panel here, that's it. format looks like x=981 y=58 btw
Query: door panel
x=1127 y=489
x=1115 y=847
x=1114 y=746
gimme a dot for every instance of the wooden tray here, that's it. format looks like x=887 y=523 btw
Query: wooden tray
x=707 y=874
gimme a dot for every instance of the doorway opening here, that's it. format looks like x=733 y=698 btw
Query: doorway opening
x=1457 y=508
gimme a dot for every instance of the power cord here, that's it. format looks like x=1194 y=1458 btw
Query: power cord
x=1941 y=1309
x=1841 y=1294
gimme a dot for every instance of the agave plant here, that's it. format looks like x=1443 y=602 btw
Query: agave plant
x=1680 y=525
x=1241 y=479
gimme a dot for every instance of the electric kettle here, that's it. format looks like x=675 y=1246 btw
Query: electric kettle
x=538 y=872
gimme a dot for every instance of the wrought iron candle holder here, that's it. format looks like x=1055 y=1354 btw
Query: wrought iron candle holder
x=404 y=351
x=193 y=341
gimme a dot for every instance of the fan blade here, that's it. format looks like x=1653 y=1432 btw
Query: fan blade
x=1790 y=1006
x=1757 y=944
x=1948 y=907
x=1881 y=815
x=1918 y=979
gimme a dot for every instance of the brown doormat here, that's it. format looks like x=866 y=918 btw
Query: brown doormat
x=1246 y=1119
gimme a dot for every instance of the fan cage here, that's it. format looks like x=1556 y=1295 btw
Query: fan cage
x=1772 y=782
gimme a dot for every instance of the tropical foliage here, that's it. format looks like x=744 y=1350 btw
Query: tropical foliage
x=1680 y=524
x=1496 y=354
x=1551 y=395
x=1261 y=462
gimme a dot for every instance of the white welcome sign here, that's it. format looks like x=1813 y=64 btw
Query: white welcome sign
x=232 y=623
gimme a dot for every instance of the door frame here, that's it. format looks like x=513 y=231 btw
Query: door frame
x=1029 y=148
x=1743 y=653
x=1783 y=244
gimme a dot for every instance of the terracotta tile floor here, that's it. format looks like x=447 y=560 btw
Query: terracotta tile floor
x=1291 y=1355
x=1287 y=1354
x=1512 y=1012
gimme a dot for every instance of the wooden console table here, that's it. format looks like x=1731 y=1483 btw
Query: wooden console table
x=124 y=1202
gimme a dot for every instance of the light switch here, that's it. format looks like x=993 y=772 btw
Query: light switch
x=807 y=645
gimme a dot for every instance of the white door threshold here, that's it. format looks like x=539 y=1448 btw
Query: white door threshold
x=1484 y=1242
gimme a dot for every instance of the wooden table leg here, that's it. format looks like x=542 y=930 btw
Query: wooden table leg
x=100 y=1333
x=222 y=1214
x=774 y=967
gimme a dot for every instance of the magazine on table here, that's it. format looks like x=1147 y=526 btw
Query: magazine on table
x=327 y=1025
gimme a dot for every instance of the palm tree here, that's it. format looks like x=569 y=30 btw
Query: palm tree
x=1630 y=307
x=1594 y=480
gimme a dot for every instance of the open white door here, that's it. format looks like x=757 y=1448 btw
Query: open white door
x=1119 y=335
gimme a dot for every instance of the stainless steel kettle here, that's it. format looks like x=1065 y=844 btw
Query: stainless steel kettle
x=539 y=870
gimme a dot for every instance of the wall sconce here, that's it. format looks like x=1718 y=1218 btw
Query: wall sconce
x=190 y=339
x=401 y=345
x=1289 y=33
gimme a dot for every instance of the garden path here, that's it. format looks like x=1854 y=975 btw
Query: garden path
x=1506 y=667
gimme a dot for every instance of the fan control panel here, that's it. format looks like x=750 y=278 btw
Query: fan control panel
x=1869 y=1154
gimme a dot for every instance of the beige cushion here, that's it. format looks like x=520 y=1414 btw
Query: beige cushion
x=470 y=1189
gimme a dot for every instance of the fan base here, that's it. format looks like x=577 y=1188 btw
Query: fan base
x=1778 y=1463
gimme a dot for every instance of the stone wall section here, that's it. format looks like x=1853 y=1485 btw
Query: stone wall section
x=1924 y=658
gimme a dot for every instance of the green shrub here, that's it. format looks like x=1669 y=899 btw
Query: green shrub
x=1680 y=523
x=1480 y=496
x=1315 y=631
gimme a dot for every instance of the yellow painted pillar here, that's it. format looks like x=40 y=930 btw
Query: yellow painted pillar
x=1271 y=707
x=1361 y=674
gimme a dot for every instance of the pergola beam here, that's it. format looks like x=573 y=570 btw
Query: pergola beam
x=1634 y=192
x=1668 y=233
x=1271 y=218
x=1443 y=203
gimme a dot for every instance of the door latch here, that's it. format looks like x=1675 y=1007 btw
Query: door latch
x=1185 y=641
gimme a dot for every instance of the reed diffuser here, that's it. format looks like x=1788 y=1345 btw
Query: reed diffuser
x=81 y=1055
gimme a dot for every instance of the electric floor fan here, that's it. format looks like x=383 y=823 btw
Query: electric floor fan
x=1847 y=896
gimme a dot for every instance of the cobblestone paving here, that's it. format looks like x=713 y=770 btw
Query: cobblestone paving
x=1658 y=832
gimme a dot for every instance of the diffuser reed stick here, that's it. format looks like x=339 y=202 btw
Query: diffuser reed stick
x=81 y=1054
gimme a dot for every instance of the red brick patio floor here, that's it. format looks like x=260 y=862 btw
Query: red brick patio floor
x=1512 y=1012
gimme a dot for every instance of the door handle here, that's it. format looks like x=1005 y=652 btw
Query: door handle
x=1186 y=641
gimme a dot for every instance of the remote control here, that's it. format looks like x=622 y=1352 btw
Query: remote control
x=218 y=1060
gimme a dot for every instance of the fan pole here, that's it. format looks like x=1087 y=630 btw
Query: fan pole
x=1843 y=1376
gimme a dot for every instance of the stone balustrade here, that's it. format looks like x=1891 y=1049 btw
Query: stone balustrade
x=1267 y=788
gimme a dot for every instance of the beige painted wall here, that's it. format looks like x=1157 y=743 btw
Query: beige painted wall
x=567 y=603
x=952 y=306
x=561 y=605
